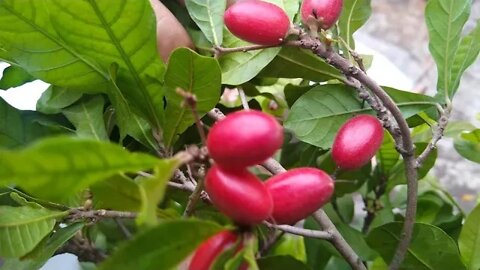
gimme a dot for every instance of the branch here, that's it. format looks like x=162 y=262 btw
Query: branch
x=337 y=240
x=95 y=215
x=325 y=235
x=437 y=135
x=219 y=51
x=194 y=197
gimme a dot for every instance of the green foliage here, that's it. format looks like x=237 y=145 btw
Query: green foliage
x=354 y=14
x=14 y=76
x=87 y=117
x=22 y=228
x=431 y=248
x=178 y=238
x=61 y=167
x=281 y=263
x=469 y=241
x=54 y=99
x=208 y=15
x=468 y=145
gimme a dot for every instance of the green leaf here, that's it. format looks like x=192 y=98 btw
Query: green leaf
x=22 y=228
x=55 y=98
x=469 y=241
x=445 y=20
x=387 y=155
x=468 y=145
x=153 y=189
x=14 y=76
x=467 y=54
x=27 y=34
x=125 y=34
x=161 y=247
x=290 y=245
x=208 y=15
x=87 y=117
x=45 y=250
x=357 y=241
x=281 y=263
x=298 y=63
x=18 y=128
x=118 y=192
x=316 y=116
x=194 y=74
x=60 y=167
x=431 y=248
x=355 y=13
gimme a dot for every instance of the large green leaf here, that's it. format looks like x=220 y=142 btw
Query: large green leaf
x=445 y=20
x=27 y=35
x=431 y=248
x=468 y=145
x=18 y=128
x=153 y=189
x=43 y=251
x=161 y=247
x=316 y=116
x=14 y=76
x=125 y=34
x=60 y=167
x=467 y=54
x=298 y=63
x=469 y=241
x=281 y=263
x=55 y=98
x=22 y=228
x=118 y=192
x=354 y=14
x=195 y=74
x=208 y=15
x=87 y=117
x=387 y=155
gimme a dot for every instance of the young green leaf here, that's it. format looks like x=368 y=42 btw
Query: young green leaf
x=161 y=247
x=118 y=192
x=60 y=167
x=22 y=228
x=281 y=263
x=14 y=76
x=469 y=241
x=468 y=145
x=355 y=13
x=387 y=155
x=445 y=20
x=55 y=98
x=431 y=248
x=208 y=15
x=87 y=117
x=195 y=74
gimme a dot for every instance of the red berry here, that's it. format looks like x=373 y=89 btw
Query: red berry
x=298 y=193
x=209 y=250
x=257 y=22
x=240 y=195
x=357 y=141
x=326 y=12
x=243 y=139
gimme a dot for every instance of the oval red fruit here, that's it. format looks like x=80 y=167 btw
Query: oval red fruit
x=298 y=193
x=257 y=22
x=206 y=254
x=326 y=12
x=357 y=141
x=243 y=139
x=239 y=195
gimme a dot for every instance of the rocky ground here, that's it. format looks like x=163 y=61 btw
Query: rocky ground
x=397 y=30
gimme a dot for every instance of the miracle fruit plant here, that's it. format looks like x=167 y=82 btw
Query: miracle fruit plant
x=137 y=157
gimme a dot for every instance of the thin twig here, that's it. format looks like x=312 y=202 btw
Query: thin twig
x=243 y=98
x=337 y=240
x=123 y=228
x=219 y=51
x=300 y=231
x=95 y=215
x=191 y=101
x=194 y=197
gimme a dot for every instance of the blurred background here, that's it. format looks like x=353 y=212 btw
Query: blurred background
x=397 y=36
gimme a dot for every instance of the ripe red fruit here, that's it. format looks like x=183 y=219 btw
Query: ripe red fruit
x=240 y=195
x=298 y=193
x=357 y=141
x=243 y=139
x=209 y=250
x=257 y=22
x=326 y=12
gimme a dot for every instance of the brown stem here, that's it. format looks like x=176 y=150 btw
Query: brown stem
x=191 y=101
x=300 y=231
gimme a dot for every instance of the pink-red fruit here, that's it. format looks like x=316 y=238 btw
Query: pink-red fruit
x=324 y=12
x=257 y=22
x=243 y=139
x=211 y=249
x=357 y=141
x=298 y=193
x=239 y=195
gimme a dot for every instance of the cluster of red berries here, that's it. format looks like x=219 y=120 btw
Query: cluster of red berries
x=247 y=138
x=265 y=23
